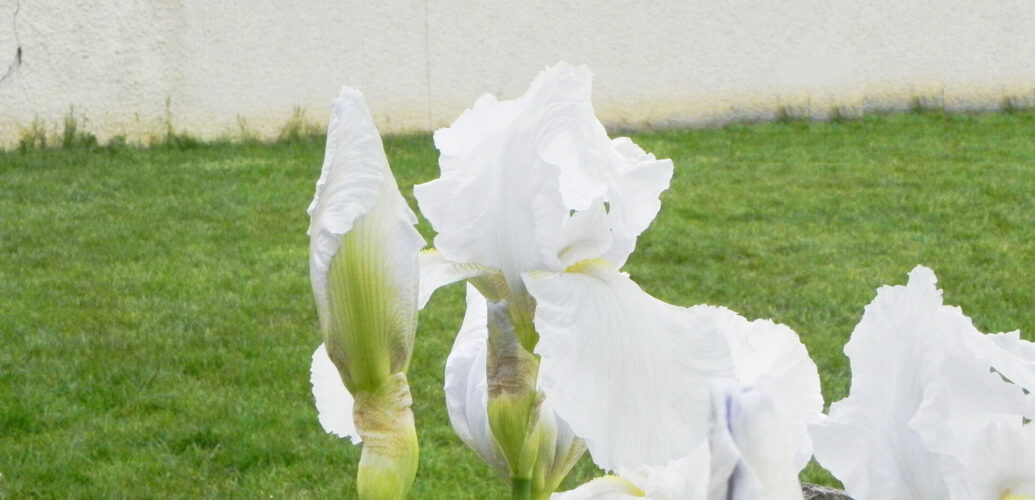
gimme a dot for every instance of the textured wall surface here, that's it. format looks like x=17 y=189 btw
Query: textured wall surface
x=131 y=67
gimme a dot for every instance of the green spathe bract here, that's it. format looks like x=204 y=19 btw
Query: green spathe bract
x=385 y=421
x=372 y=322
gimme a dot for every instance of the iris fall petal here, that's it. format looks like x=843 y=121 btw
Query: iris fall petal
x=610 y=351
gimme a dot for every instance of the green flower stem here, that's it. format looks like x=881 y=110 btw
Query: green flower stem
x=388 y=463
x=520 y=488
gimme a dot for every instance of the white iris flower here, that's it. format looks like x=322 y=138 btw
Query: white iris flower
x=936 y=408
x=535 y=186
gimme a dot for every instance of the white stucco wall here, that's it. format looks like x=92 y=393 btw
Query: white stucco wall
x=128 y=66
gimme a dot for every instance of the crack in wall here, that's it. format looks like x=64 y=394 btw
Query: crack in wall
x=17 y=62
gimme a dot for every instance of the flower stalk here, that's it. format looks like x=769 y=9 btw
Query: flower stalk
x=511 y=372
x=520 y=488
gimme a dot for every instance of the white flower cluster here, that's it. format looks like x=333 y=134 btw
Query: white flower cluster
x=561 y=352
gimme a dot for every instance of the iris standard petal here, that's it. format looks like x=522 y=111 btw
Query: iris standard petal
x=972 y=414
x=923 y=379
x=639 y=180
x=1014 y=359
x=629 y=373
x=514 y=172
x=926 y=386
x=963 y=393
x=498 y=202
x=585 y=235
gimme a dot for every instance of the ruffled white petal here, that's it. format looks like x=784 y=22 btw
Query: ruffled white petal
x=962 y=394
x=629 y=373
x=972 y=416
x=516 y=176
x=498 y=202
x=867 y=441
x=1014 y=359
x=925 y=385
x=333 y=401
x=639 y=179
x=486 y=118
x=771 y=355
x=466 y=386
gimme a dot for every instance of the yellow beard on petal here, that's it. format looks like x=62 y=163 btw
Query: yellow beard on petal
x=626 y=484
x=1010 y=496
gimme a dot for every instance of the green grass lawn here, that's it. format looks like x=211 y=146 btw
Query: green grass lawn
x=156 y=320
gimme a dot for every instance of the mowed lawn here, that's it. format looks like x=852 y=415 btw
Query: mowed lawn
x=156 y=319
